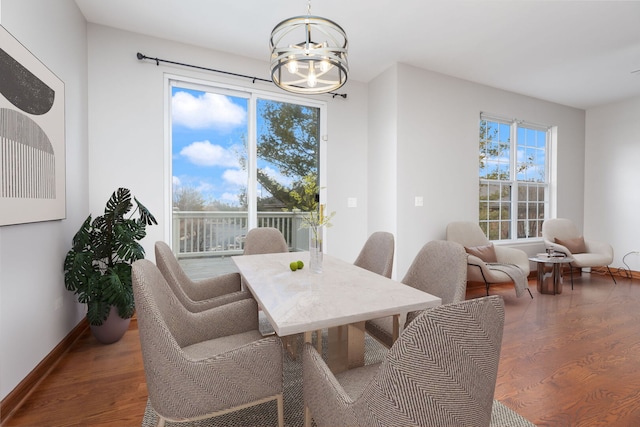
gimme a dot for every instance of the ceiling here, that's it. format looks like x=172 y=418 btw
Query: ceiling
x=577 y=53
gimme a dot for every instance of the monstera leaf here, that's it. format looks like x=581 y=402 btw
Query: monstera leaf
x=98 y=266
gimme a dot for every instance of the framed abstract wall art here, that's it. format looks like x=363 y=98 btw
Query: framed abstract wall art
x=32 y=137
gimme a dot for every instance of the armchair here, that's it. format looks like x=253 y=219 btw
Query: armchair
x=562 y=235
x=441 y=371
x=200 y=295
x=440 y=269
x=488 y=263
x=377 y=254
x=264 y=240
x=199 y=365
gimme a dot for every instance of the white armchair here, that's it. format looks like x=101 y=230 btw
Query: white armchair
x=562 y=235
x=496 y=264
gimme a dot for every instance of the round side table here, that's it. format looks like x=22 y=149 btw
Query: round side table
x=550 y=272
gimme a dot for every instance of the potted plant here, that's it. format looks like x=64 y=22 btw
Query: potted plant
x=98 y=266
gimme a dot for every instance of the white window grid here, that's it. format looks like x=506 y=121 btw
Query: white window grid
x=519 y=207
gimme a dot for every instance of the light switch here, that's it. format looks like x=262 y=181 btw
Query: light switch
x=419 y=201
x=352 y=202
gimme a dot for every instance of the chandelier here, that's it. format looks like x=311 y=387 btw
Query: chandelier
x=308 y=54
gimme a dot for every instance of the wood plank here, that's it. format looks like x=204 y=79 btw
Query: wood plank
x=18 y=395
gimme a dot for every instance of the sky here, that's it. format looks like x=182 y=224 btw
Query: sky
x=208 y=134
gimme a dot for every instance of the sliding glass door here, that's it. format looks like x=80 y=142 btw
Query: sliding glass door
x=239 y=160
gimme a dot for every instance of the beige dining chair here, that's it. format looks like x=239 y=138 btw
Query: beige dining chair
x=440 y=269
x=199 y=365
x=202 y=294
x=269 y=240
x=441 y=371
x=562 y=235
x=264 y=240
x=489 y=263
x=377 y=254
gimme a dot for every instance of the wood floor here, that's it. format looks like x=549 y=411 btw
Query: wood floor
x=567 y=360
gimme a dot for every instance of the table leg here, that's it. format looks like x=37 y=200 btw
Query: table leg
x=346 y=347
x=550 y=278
x=557 y=278
x=396 y=327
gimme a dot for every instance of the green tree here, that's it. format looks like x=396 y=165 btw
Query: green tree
x=289 y=142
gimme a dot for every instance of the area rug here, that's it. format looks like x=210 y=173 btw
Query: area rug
x=266 y=414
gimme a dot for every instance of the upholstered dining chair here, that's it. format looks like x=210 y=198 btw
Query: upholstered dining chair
x=269 y=240
x=489 y=263
x=202 y=294
x=562 y=235
x=440 y=269
x=440 y=372
x=199 y=365
x=264 y=240
x=377 y=254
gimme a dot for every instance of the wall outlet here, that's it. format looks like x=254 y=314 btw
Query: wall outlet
x=352 y=202
x=419 y=201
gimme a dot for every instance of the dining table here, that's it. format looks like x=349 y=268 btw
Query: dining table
x=341 y=299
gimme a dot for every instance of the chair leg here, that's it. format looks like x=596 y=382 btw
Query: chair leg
x=611 y=274
x=307 y=416
x=280 y=411
x=571 y=273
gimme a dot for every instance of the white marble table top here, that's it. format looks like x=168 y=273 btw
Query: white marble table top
x=301 y=301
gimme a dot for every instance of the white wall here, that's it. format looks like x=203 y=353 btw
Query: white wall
x=126 y=129
x=36 y=311
x=437 y=152
x=612 y=178
x=382 y=152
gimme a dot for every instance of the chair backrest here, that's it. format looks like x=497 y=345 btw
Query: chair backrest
x=160 y=348
x=561 y=228
x=175 y=276
x=377 y=254
x=441 y=371
x=185 y=289
x=264 y=240
x=440 y=268
x=466 y=233
x=166 y=305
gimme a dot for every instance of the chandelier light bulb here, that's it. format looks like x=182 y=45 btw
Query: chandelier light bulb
x=292 y=66
x=312 y=79
x=325 y=65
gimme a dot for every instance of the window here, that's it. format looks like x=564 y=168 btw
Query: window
x=514 y=178
x=239 y=160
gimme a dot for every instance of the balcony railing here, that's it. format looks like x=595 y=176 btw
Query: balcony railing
x=205 y=233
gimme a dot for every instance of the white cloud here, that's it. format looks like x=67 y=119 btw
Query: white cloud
x=204 y=153
x=208 y=110
x=236 y=177
x=176 y=181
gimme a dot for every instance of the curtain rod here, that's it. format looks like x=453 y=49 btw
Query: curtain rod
x=141 y=57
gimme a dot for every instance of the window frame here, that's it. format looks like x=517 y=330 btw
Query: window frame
x=513 y=202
